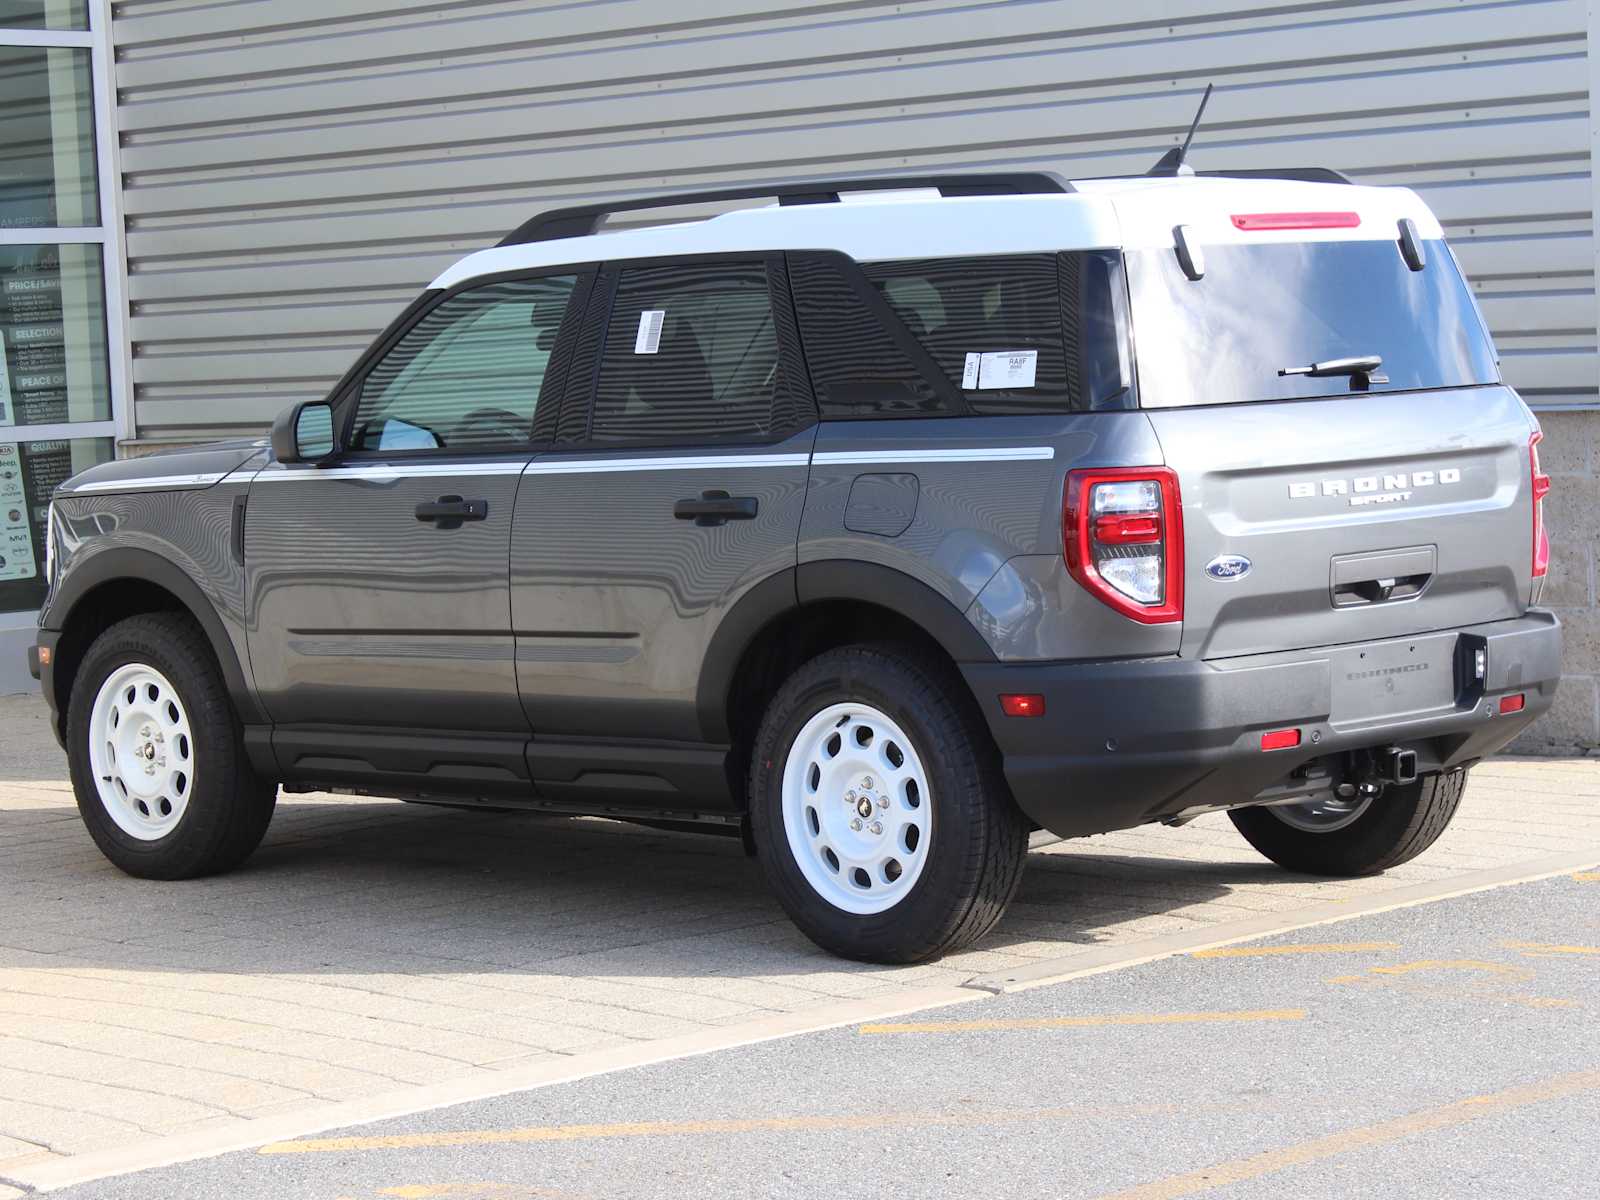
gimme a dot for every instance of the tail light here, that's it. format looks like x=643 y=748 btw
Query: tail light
x=1541 y=489
x=1123 y=532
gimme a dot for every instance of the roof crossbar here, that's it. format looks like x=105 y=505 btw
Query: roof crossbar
x=583 y=219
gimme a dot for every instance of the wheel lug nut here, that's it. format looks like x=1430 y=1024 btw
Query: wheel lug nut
x=856 y=824
x=877 y=827
x=883 y=802
x=867 y=782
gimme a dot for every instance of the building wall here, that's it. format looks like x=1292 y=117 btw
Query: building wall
x=294 y=170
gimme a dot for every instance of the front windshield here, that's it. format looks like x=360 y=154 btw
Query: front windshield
x=1223 y=338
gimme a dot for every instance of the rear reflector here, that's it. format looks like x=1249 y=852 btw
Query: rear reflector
x=1019 y=705
x=1296 y=220
x=1280 y=739
x=1511 y=704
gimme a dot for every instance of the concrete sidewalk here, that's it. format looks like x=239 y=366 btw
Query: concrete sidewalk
x=371 y=945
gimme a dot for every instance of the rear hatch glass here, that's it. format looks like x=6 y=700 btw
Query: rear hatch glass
x=1257 y=309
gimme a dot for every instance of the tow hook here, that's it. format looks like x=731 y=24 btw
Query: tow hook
x=1375 y=770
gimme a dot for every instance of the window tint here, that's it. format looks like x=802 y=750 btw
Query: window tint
x=1261 y=308
x=1016 y=333
x=692 y=353
x=858 y=367
x=469 y=373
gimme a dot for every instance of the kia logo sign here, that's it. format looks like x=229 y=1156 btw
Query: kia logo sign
x=1228 y=566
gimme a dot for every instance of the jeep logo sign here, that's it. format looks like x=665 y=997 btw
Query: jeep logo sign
x=1228 y=566
x=1374 y=489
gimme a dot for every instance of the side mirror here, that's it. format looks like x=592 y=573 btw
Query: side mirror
x=304 y=433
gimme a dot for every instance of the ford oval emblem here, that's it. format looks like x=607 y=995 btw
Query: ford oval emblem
x=1228 y=566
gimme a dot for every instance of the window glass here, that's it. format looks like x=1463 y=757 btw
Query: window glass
x=1258 y=309
x=44 y=14
x=52 y=336
x=857 y=367
x=47 y=163
x=29 y=472
x=467 y=374
x=1016 y=333
x=692 y=354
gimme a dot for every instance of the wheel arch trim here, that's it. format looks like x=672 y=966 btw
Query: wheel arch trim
x=792 y=589
x=129 y=562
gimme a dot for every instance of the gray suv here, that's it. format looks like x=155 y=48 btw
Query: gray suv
x=879 y=526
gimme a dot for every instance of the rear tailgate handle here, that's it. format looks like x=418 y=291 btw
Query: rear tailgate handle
x=1381 y=576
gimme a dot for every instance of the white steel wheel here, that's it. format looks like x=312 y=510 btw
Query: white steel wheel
x=141 y=751
x=857 y=808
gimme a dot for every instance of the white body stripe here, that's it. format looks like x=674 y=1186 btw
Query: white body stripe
x=597 y=466
x=147 y=482
x=388 y=472
x=381 y=473
x=1002 y=454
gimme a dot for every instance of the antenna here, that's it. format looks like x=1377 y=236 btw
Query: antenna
x=1171 y=163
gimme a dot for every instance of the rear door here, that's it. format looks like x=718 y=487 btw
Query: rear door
x=1343 y=508
x=677 y=488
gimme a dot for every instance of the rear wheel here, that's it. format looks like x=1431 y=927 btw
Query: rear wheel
x=1357 y=837
x=157 y=757
x=878 y=809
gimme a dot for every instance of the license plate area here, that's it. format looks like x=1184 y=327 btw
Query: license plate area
x=1393 y=679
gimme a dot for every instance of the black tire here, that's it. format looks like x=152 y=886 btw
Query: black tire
x=229 y=806
x=1398 y=826
x=980 y=841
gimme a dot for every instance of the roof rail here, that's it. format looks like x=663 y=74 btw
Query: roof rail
x=583 y=219
x=1303 y=174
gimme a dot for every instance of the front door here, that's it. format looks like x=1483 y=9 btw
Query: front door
x=680 y=488
x=380 y=628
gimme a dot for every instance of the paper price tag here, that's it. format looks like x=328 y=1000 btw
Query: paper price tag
x=648 y=339
x=1008 y=369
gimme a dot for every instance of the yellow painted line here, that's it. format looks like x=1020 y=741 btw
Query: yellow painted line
x=850 y=1122
x=1452 y=964
x=1587 y=876
x=1242 y=1170
x=1548 y=950
x=1179 y=1018
x=1303 y=948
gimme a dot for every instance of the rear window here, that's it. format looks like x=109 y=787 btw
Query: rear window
x=1017 y=333
x=1223 y=338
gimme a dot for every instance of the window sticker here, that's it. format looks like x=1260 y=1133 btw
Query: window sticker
x=648 y=339
x=1005 y=369
x=969 y=373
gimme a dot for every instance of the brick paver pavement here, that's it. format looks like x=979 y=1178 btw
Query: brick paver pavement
x=369 y=945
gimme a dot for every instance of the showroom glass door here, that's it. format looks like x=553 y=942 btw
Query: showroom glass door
x=60 y=293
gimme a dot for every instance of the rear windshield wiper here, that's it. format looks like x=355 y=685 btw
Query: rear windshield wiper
x=1361 y=364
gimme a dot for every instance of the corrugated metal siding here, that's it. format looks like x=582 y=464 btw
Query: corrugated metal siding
x=296 y=169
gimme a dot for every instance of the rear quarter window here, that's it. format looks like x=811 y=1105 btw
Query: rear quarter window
x=1017 y=333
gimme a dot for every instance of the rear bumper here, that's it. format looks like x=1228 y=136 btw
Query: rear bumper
x=1127 y=742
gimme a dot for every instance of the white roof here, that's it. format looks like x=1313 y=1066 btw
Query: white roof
x=1129 y=213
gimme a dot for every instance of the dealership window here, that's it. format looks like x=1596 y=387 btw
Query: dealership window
x=61 y=357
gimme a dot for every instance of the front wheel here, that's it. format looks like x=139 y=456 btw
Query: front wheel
x=157 y=758
x=1358 y=837
x=878 y=809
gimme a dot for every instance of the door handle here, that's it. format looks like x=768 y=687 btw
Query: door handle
x=715 y=508
x=448 y=512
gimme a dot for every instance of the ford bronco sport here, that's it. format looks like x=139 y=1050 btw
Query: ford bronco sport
x=879 y=527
